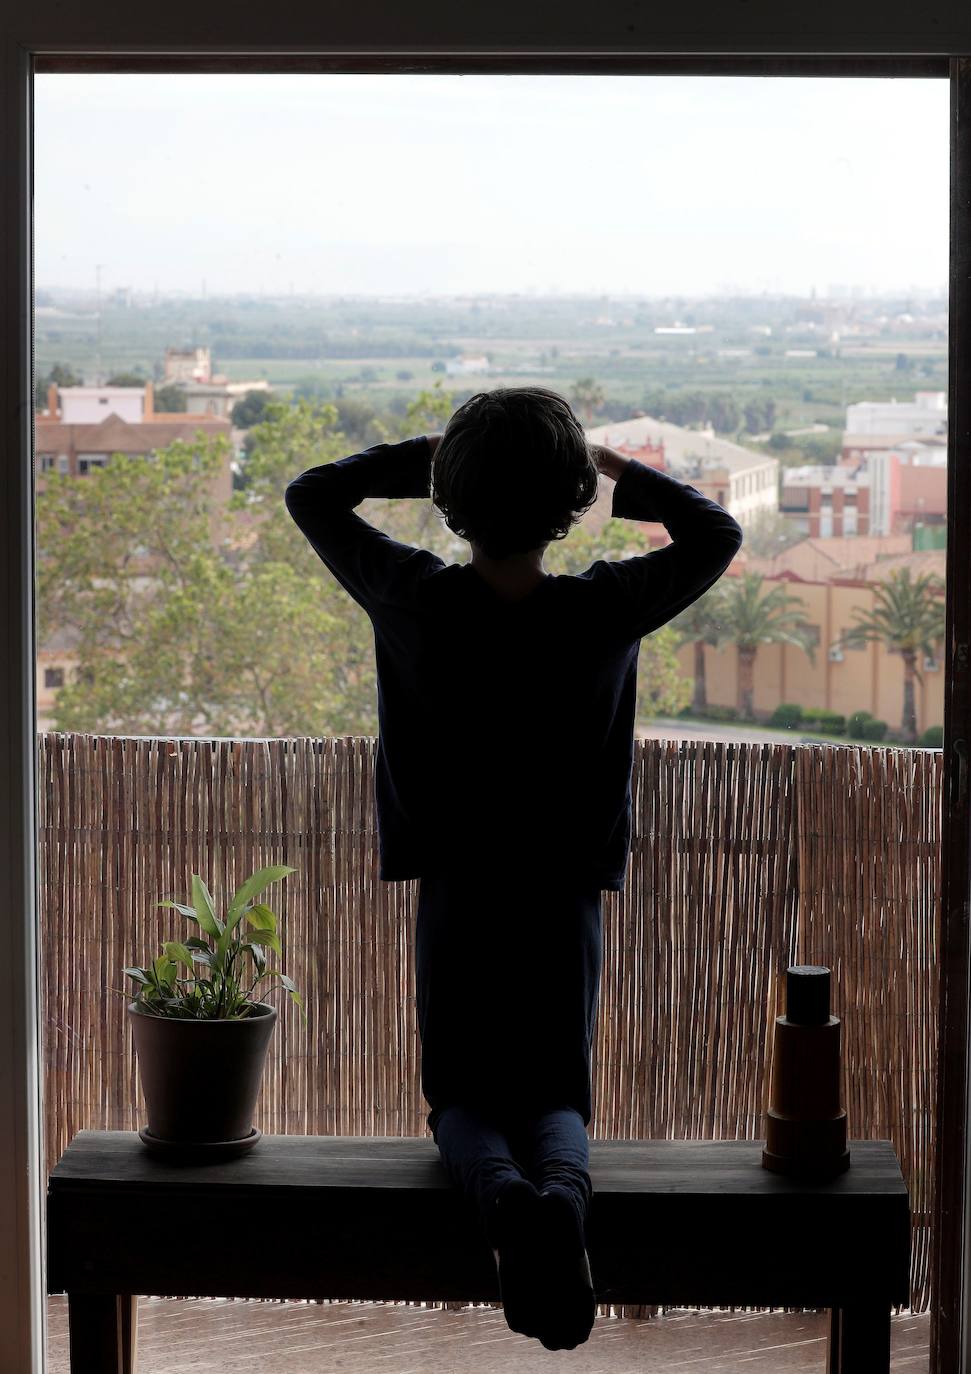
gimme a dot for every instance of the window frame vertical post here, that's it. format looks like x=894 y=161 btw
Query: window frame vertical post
x=22 y=1250
x=950 y=1325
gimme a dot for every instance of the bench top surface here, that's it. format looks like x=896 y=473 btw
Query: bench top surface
x=118 y=1160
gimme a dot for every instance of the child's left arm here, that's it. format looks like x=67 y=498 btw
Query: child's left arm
x=372 y=567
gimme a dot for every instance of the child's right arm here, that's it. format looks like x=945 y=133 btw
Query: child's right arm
x=653 y=588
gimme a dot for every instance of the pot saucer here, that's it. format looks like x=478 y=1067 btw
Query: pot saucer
x=198 y=1151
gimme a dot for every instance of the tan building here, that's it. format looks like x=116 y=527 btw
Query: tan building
x=870 y=678
x=56 y=665
x=822 y=560
x=187 y=365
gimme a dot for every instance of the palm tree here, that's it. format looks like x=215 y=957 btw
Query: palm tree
x=588 y=394
x=750 y=618
x=702 y=623
x=907 y=618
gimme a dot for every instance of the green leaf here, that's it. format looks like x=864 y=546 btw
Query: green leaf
x=261 y=917
x=177 y=951
x=257 y=954
x=266 y=937
x=295 y=996
x=178 y=906
x=165 y=971
x=205 y=911
x=253 y=886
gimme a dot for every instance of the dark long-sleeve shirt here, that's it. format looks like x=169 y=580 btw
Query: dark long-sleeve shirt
x=506 y=728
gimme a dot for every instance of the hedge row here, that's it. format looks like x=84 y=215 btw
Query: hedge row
x=789 y=715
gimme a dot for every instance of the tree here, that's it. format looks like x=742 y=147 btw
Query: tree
x=702 y=624
x=359 y=421
x=821 y=448
x=692 y=408
x=907 y=618
x=753 y=618
x=178 y=631
x=61 y=374
x=724 y=414
x=429 y=411
x=186 y=624
x=250 y=409
x=171 y=398
x=662 y=688
x=770 y=532
x=587 y=395
x=134 y=378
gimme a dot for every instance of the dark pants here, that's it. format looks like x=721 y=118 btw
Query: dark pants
x=480 y=1155
x=508 y=978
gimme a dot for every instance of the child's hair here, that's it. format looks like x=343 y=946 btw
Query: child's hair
x=513 y=470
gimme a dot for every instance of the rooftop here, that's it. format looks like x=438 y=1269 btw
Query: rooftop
x=115 y=435
x=683 y=448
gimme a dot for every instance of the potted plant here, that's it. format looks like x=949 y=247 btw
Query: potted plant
x=200 y=1036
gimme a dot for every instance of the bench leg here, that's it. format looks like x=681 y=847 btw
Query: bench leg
x=103 y=1332
x=859 y=1340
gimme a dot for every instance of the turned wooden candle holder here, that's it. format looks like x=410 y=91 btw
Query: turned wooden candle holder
x=805 y=1126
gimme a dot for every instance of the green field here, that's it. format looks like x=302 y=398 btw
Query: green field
x=393 y=349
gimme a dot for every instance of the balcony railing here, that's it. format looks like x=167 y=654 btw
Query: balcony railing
x=746 y=858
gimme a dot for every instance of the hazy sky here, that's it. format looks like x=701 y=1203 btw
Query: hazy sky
x=446 y=184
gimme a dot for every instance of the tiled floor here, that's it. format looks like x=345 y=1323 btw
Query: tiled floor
x=213 y=1336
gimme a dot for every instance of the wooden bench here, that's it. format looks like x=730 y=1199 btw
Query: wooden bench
x=674 y=1222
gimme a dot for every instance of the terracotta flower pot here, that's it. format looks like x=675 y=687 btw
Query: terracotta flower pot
x=201 y=1079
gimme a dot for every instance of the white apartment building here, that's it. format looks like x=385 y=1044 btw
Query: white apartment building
x=467 y=366
x=89 y=405
x=218 y=398
x=925 y=416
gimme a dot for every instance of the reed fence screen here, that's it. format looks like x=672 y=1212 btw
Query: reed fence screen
x=745 y=858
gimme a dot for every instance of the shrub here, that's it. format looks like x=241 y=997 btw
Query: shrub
x=827 y=722
x=874 y=730
x=721 y=713
x=856 y=724
x=933 y=737
x=786 y=716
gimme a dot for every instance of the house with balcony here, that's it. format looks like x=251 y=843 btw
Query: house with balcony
x=826 y=502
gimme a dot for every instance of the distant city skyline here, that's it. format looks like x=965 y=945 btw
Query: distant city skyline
x=140 y=295
x=489 y=185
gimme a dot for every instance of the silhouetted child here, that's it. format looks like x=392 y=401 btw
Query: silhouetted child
x=506 y=706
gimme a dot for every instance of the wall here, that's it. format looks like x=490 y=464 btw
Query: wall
x=91 y=405
x=869 y=679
